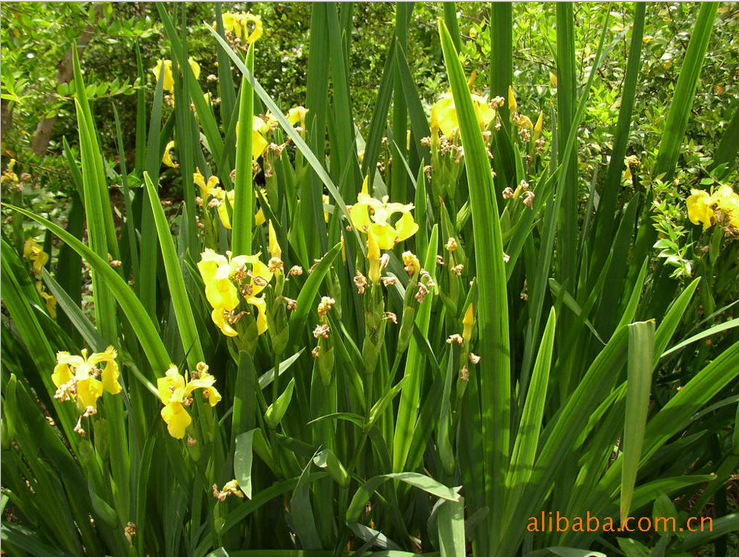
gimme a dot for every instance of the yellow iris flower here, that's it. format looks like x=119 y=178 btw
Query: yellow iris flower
x=176 y=390
x=33 y=251
x=238 y=24
x=76 y=377
x=258 y=142
x=297 y=115
x=728 y=201
x=167 y=158
x=206 y=188
x=219 y=274
x=48 y=298
x=444 y=114
x=370 y=214
x=168 y=84
x=702 y=206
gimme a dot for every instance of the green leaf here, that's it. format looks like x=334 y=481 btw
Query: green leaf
x=451 y=529
x=276 y=411
x=243 y=211
x=242 y=461
x=639 y=375
x=429 y=485
x=687 y=84
x=176 y=280
x=492 y=313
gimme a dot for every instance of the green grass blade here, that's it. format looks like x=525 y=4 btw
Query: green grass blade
x=500 y=75
x=416 y=112
x=550 y=228
x=728 y=148
x=527 y=438
x=378 y=124
x=243 y=211
x=343 y=144
x=609 y=195
x=687 y=84
x=492 y=314
x=450 y=20
x=398 y=178
x=414 y=369
x=639 y=375
x=226 y=89
x=725 y=326
x=175 y=280
x=88 y=331
x=308 y=294
x=451 y=529
x=316 y=102
x=566 y=108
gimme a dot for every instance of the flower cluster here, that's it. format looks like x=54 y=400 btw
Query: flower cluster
x=720 y=207
x=228 y=280
x=176 y=392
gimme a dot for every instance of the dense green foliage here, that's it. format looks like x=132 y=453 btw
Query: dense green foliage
x=384 y=277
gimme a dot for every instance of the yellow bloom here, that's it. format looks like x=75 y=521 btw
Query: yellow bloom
x=274 y=246
x=167 y=158
x=700 y=208
x=512 y=104
x=258 y=142
x=206 y=188
x=374 y=256
x=9 y=176
x=221 y=276
x=76 y=377
x=258 y=28
x=168 y=83
x=326 y=200
x=524 y=121
x=468 y=322
x=216 y=271
x=373 y=214
x=261 y=306
x=48 y=298
x=411 y=262
x=297 y=115
x=444 y=114
x=194 y=66
x=728 y=201
x=238 y=25
x=224 y=197
x=33 y=251
x=175 y=392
